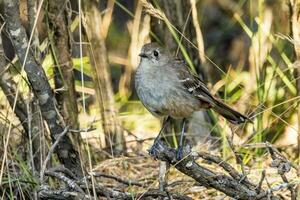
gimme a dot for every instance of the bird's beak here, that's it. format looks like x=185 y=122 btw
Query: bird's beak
x=143 y=55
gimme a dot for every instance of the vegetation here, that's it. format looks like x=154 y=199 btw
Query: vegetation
x=72 y=126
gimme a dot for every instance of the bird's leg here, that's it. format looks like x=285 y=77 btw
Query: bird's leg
x=164 y=126
x=180 y=147
x=158 y=138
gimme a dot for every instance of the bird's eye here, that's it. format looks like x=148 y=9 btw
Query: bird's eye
x=155 y=53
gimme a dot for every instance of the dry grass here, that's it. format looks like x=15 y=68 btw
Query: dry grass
x=144 y=170
x=262 y=84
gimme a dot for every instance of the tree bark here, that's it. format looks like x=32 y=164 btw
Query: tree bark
x=32 y=129
x=40 y=85
x=64 y=76
x=114 y=137
x=31 y=11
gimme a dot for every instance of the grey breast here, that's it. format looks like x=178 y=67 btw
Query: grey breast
x=162 y=93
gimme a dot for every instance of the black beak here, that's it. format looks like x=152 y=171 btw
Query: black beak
x=143 y=55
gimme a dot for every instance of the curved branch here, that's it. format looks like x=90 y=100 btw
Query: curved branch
x=231 y=186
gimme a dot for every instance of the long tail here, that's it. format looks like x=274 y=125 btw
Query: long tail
x=230 y=114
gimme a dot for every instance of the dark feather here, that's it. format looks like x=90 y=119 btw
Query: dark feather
x=196 y=87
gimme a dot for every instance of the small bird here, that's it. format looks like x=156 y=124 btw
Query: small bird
x=167 y=88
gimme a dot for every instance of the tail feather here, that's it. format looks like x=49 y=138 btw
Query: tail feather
x=230 y=114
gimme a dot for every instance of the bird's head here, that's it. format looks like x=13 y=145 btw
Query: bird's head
x=152 y=53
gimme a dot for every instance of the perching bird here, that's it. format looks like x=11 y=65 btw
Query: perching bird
x=167 y=88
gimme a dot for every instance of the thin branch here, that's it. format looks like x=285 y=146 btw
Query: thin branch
x=71 y=183
x=84 y=130
x=262 y=178
x=283 y=166
x=126 y=182
x=227 y=167
x=51 y=151
x=64 y=170
x=208 y=178
x=158 y=193
x=47 y=193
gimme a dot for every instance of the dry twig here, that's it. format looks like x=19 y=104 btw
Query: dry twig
x=126 y=182
x=51 y=151
x=283 y=166
x=231 y=186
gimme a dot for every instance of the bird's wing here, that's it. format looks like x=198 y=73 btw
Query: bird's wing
x=192 y=83
x=195 y=86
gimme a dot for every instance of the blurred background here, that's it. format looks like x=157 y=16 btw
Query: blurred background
x=243 y=50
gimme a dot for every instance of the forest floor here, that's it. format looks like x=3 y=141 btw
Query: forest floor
x=143 y=171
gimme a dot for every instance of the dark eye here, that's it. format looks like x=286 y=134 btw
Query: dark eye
x=155 y=53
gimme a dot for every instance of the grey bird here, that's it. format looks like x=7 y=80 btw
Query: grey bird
x=167 y=88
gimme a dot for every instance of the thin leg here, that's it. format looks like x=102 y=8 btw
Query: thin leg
x=182 y=133
x=164 y=126
x=157 y=140
x=180 y=146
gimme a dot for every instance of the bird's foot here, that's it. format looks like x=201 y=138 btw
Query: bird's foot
x=156 y=147
x=179 y=152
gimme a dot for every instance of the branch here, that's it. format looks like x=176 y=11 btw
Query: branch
x=78 y=189
x=63 y=170
x=51 y=151
x=71 y=183
x=9 y=86
x=232 y=186
x=158 y=193
x=227 y=167
x=40 y=85
x=126 y=182
x=283 y=166
x=114 y=194
x=47 y=193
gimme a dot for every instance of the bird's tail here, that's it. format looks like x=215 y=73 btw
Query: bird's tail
x=230 y=114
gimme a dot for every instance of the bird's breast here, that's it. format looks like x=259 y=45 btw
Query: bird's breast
x=162 y=94
x=150 y=90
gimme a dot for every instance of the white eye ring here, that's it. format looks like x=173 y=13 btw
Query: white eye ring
x=155 y=53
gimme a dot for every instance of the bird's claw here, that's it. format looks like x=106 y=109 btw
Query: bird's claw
x=155 y=148
x=179 y=153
